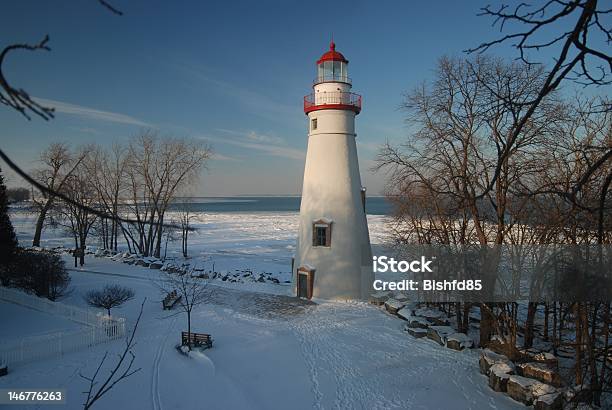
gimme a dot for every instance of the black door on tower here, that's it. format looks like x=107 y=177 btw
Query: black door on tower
x=302 y=285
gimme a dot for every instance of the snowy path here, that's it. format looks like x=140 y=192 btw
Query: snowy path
x=163 y=346
x=356 y=360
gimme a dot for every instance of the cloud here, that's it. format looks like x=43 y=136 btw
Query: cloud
x=91 y=113
x=221 y=157
x=257 y=103
x=254 y=136
x=272 y=146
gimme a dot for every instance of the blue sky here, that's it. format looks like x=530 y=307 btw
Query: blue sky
x=231 y=73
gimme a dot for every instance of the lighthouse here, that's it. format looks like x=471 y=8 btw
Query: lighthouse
x=333 y=256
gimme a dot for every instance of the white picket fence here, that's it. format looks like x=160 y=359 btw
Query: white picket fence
x=99 y=328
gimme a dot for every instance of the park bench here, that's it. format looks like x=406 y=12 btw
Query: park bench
x=170 y=300
x=197 y=339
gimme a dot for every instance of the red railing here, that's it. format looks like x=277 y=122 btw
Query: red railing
x=332 y=100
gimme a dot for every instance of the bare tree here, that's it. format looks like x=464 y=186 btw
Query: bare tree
x=157 y=169
x=109 y=297
x=573 y=27
x=192 y=291
x=447 y=189
x=75 y=215
x=108 y=169
x=121 y=371
x=58 y=164
x=185 y=218
x=463 y=123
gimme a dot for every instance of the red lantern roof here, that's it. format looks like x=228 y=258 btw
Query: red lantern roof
x=332 y=55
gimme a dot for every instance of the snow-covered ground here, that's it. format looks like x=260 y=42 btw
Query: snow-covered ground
x=30 y=322
x=270 y=351
x=227 y=242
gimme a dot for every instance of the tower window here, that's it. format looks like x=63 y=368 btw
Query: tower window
x=321 y=236
x=313 y=124
x=321 y=233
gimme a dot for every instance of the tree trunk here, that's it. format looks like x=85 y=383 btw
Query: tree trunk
x=466 y=316
x=532 y=307
x=158 y=239
x=40 y=222
x=546 y=314
x=486 y=324
x=189 y=329
x=578 y=369
x=185 y=237
x=459 y=319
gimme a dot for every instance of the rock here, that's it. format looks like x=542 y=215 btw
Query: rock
x=405 y=313
x=459 y=341
x=393 y=306
x=3 y=370
x=526 y=390
x=488 y=358
x=141 y=262
x=435 y=316
x=501 y=346
x=156 y=265
x=402 y=297
x=439 y=333
x=547 y=358
x=261 y=279
x=499 y=374
x=379 y=298
x=415 y=331
x=551 y=401
x=541 y=372
x=274 y=280
x=419 y=322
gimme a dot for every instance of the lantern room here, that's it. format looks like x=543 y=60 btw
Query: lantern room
x=332 y=66
x=332 y=87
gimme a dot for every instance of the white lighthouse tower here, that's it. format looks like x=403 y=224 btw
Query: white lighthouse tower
x=333 y=258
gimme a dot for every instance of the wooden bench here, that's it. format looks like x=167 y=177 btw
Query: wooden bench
x=197 y=339
x=170 y=300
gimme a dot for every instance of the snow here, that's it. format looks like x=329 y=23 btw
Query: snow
x=324 y=220
x=549 y=398
x=270 y=351
x=394 y=304
x=464 y=340
x=405 y=313
x=429 y=313
x=494 y=357
x=536 y=387
x=501 y=370
x=30 y=323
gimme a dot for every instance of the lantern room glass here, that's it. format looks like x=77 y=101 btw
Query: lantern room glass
x=332 y=71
